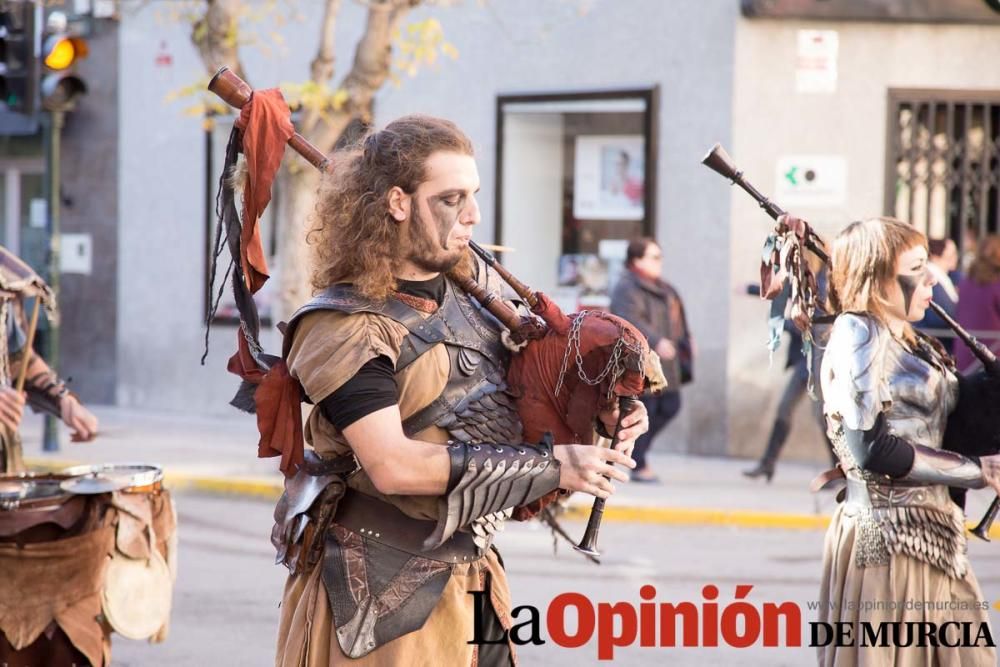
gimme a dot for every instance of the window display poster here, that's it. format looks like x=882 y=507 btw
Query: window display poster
x=609 y=177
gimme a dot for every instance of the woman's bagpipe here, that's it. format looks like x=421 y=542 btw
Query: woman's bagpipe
x=567 y=368
x=973 y=428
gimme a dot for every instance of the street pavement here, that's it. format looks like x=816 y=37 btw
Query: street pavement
x=228 y=588
x=705 y=524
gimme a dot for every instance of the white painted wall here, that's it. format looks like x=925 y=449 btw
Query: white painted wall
x=770 y=120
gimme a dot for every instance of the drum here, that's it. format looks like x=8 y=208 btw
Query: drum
x=53 y=553
x=61 y=595
x=138 y=584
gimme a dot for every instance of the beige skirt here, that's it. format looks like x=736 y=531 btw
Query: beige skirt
x=307 y=638
x=887 y=593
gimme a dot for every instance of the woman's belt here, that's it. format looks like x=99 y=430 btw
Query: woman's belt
x=386 y=524
x=892 y=494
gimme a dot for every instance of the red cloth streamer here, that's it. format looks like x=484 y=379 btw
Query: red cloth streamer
x=279 y=418
x=267 y=126
x=279 y=415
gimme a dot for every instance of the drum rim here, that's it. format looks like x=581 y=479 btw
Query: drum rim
x=24 y=502
x=147 y=474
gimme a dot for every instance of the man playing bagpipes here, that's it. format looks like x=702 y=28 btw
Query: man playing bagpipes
x=414 y=431
x=424 y=441
x=19 y=365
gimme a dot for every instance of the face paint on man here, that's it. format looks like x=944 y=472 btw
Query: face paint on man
x=426 y=251
x=446 y=209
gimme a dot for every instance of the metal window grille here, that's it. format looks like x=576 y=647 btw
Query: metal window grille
x=943 y=162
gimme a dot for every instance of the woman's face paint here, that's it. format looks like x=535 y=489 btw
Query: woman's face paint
x=914 y=286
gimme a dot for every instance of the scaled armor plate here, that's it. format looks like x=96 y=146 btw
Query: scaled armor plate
x=867 y=371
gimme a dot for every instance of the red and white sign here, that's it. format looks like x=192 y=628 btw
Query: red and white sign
x=816 y=61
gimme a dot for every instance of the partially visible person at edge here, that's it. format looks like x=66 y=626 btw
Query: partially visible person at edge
x=48 y=386
x=943 y=264
x=979 y=306
x=888 y=393
x=643 y=298
x=395 y=214
x=36 y=601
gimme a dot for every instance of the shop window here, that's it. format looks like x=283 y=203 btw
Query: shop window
x=943 y=163
x=575 y=183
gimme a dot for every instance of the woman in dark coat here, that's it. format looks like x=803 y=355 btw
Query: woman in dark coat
x=643 y=298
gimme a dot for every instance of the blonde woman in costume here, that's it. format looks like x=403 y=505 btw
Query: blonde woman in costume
x=888 y=391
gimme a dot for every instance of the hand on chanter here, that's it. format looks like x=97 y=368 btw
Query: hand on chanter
x=11 y=407
x=587 y=468
x=991 y=470
x=636 y=423
x=79 y=419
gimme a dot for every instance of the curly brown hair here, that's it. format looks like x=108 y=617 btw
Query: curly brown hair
x=355 y=239
x=985 y=268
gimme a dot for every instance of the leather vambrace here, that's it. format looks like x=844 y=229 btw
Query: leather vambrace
x=878 y=450
x=487 y=478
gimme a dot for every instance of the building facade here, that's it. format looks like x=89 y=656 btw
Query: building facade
x=589 y=120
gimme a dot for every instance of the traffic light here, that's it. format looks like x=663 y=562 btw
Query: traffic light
x=60 y=85
x=19 y=66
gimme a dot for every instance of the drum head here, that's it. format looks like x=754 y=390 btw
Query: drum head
x=107 y=477
x=137 y=593
x=31 y=489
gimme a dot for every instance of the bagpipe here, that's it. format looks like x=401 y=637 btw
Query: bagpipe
x=973 y=428
x=564 y=369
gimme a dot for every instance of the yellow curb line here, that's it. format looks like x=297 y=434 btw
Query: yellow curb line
x=703 y=517
x=678 y=516
x=714 y=517
x=264 y=489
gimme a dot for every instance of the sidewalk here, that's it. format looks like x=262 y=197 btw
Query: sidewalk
x=219 y=455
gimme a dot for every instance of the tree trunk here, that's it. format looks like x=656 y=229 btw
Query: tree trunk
x=297 y=217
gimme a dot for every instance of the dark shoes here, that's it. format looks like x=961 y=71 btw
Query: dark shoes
x=763 y=469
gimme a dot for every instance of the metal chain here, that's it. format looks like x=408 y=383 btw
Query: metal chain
x=573 y=342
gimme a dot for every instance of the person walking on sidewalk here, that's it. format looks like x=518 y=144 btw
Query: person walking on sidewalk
x=888 y=392
x=403 y=491
x=796 y=388
x=650 y=303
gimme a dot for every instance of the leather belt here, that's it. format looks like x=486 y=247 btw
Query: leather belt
x=386 y=524
x=866 y=494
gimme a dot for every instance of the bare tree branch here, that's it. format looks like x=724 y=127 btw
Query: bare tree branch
x=322 y=64
x=370 y=69
x=215 y=36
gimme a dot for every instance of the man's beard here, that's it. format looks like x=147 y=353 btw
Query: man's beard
x=427 y=253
